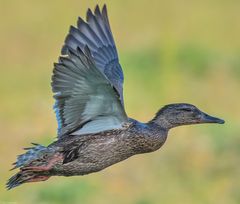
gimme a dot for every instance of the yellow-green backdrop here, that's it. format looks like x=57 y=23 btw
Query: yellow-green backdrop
x=171 y=51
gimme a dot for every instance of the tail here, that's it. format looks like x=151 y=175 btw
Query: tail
x=33 y=157
x=32 y=154
x=25 y=177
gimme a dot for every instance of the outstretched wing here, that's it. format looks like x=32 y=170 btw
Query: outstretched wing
x=96 y=34
x=86 y=102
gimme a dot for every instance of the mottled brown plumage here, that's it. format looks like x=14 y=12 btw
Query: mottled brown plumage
x=94 y=131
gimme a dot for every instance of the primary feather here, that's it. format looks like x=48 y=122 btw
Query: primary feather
x=86 y=101
x=96 y=34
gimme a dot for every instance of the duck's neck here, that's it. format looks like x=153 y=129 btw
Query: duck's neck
x=147 y=137
x=162 y=122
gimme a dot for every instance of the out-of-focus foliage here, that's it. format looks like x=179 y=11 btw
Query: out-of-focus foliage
x=171 y=51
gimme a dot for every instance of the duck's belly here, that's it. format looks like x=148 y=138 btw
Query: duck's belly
x=96 y=156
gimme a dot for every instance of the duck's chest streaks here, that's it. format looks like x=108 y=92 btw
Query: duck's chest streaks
x=96 y=152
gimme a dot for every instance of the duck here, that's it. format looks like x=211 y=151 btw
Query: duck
x=94 y=131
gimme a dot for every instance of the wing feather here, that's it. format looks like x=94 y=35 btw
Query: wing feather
x=86 y=101
x=97 y=35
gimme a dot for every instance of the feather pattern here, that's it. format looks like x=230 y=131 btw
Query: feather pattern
x=86 y=101
x=96 y=34
x=33 y=153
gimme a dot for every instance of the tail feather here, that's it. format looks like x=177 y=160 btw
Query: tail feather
x=32 y=154
x=19 y=178
x=25 y=177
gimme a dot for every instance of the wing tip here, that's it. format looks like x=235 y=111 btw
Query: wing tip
x=104 y=8
x=80 y=22
x=89 y=14
x=97 y=11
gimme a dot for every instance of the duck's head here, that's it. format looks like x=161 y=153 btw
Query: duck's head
x=174 y=115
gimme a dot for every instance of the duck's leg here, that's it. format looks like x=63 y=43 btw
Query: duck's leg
x=50 y=163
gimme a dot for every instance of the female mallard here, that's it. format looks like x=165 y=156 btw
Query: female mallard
x=94 y=131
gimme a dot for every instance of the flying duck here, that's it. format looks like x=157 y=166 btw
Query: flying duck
x=94 y=131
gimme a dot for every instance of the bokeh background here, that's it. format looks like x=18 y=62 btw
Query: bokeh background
x=171 y=51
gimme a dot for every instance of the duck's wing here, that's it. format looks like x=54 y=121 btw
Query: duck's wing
x=96 y=34
x=86 y=102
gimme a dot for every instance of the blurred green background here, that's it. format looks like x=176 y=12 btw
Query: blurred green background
x=171 y=51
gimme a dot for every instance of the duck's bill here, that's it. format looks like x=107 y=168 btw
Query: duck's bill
x=210 y=119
